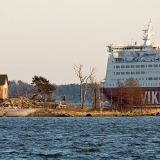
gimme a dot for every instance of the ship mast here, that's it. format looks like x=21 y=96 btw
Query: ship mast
x=147 y=35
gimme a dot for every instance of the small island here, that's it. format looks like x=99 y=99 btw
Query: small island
x=41 y=103
x=23 y=107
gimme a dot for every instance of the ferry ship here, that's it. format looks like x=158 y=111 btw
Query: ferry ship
x=141 y=62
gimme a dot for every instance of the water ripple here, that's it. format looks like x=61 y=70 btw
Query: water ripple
x=80 y=138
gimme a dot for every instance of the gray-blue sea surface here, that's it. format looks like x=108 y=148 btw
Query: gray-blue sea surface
x=77 y=138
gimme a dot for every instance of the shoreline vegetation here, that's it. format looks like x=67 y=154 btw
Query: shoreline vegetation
x=129 y=100
x=73 y=111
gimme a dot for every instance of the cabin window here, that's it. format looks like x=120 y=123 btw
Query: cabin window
x=122 y=73
x=132 y=73
x=122 y=66
x=127 y=72
x=142 y=72
x=127 y=66
x=137 y=72
x=155 y=65
x=155 y=78
x=132 y=66
x=150 y=65
x=150 y=78
x=137 y=66
x=117 y=66
x=142 y=66
x=117 y=73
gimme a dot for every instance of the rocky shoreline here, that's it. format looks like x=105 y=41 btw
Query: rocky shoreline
x=23 y=107
x=46 y=112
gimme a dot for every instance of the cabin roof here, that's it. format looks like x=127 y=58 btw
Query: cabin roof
x=3 y=78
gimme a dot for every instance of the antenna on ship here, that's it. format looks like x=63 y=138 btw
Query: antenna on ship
x=147 y=35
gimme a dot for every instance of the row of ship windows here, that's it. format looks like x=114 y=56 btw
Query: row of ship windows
x=140 y=84
x=138 y=72
x=149 y=78
x=123 y=73
x=137 y=66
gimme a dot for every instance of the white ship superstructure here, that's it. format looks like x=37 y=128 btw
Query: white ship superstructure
x=141 y=62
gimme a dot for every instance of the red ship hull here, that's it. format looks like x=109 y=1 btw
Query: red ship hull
x=151 y=93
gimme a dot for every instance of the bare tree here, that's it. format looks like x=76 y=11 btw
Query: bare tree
x=94 y=91
x=138 y=97
x=121 y=90
x=83 y=79
x=130 y=93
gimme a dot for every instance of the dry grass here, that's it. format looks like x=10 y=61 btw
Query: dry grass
x=76 y=111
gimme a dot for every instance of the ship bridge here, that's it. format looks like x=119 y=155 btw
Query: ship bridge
x=147 y=45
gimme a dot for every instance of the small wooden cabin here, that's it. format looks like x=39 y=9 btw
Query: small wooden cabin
x=3 y=86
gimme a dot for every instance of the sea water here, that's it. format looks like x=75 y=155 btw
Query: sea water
x=77 y=138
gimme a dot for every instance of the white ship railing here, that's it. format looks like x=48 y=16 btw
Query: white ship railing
x=148 y=56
